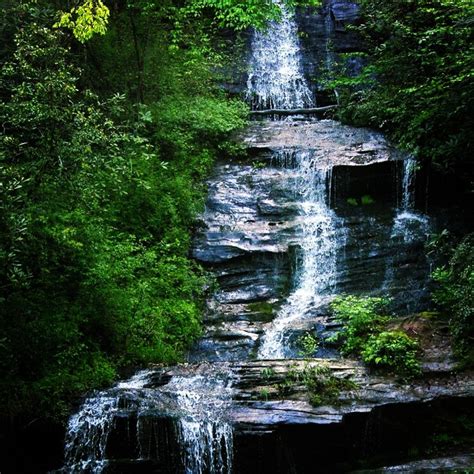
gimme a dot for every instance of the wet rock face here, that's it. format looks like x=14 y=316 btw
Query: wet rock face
x=251 y=233
x=248 y=229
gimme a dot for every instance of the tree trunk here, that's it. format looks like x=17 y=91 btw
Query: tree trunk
x=309 y=111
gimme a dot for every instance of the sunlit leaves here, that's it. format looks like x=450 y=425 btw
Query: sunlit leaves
x=89 y=18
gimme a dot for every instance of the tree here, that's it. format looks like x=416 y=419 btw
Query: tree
x=418 y=85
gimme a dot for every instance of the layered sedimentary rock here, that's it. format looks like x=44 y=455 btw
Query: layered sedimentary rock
x=252 y=233
x=203 y=418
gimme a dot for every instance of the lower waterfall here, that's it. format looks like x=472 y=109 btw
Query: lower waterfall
x=198 y=440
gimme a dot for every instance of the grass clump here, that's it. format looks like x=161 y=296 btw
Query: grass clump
x=324 y=388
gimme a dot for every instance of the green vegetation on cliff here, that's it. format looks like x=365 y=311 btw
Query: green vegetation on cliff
x=364 y=332
x=105 y=146
x=418 y=84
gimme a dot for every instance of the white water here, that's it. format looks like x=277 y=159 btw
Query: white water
x=409 y=228
x=198 y=403
x=276 y=79
x=315 y=275
x=408 y=185
x=205 y=436
x=408 y=224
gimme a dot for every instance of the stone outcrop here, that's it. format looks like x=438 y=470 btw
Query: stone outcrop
x=250 y=234
x=334 y=144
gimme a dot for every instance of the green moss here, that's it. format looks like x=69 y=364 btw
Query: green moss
x=324 y=388
x=366 y=200
x=264 y=310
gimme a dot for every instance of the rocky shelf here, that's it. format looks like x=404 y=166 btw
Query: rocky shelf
x=258 y=402
x=334 y=143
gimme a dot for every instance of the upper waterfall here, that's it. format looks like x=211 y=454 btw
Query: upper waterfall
x=276 y=77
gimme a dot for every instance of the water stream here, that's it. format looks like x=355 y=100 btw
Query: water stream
x=316 y=268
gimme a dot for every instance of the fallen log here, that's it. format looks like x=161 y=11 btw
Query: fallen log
x=308 y=111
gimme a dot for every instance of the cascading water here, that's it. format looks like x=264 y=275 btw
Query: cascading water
x=197 y=403
x=409 y=224
x=276 y=79
x=408 y=184
x=316 y=271
x=409 y=228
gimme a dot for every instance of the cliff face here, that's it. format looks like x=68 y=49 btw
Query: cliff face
x=252 y=234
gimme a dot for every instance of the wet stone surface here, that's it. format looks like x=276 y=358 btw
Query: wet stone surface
x=252 y=233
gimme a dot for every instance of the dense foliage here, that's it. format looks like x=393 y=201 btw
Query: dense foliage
x=99 y=195
x=418 y=84
x=455 y=294
x=364 y=333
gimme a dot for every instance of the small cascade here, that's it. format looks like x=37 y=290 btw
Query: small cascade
x=196 y=404
x=276 y=79
x=204 y=434
x=408 y=224
x=409 y=229
x=408 y=184
x=316 y=268
x=330 y=55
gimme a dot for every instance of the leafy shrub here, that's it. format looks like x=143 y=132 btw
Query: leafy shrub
x=308 y=345
x=393 y=350
x=361 y=319
x=363 y=333
x=455 y=294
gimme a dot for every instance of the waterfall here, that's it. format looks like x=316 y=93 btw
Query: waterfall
x=409 y=228
x=197 y=403
x=408 y=224
x=276 y=79
x=316 y=269
x=408 y=184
